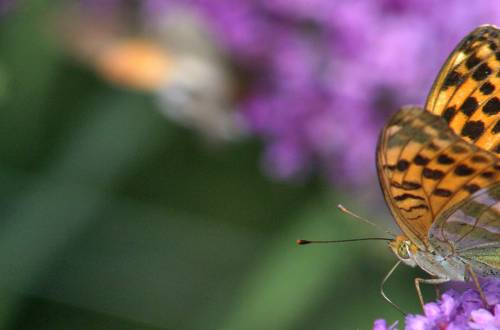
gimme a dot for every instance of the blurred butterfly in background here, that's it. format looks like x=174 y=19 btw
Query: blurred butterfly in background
x=172 y=57
x=439 y=168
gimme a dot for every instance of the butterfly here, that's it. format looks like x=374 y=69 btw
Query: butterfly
x=439 y=168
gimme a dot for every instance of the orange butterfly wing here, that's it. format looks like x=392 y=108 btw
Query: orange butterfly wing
x=428 y=161
x=425 y=168
x=466 y=91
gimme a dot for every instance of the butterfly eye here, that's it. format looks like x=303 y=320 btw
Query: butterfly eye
x=403 y=251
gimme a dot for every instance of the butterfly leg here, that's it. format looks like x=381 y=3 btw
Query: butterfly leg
x=419 y=281
x=477 y=284
x=386 y=277
x=438 y=291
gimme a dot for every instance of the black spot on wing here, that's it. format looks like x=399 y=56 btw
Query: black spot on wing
x=402 y=165
x=496 y=129
x=449 y=113
x=405 y=196
x=479 y=159
x=463 y=170
x=445 y=160
x=442 y=192
x=407 y=185
x=492 y=107
x=452 y=79
x=473 y=129
x=432 y=174
x=469 y=106
x=482 y=72
x=421 y=160
x=487 y=175
x=472 y=61
x=487 y=88
x=471 y=188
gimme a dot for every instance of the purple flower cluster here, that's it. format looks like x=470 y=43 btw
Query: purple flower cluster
x=456 y=311
x=321 y=76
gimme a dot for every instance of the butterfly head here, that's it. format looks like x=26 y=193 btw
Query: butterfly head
x=404 y=249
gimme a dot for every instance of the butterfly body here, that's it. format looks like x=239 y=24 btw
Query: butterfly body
x=444 y=267
x=439 y=167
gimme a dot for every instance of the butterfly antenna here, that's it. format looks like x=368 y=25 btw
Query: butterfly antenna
x=354 y=215
x=305 y=241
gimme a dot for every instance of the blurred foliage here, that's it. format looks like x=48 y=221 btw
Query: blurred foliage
x=113 y=217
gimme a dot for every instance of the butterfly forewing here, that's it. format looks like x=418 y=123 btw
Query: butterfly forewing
x=466 y=92
x=425 y=168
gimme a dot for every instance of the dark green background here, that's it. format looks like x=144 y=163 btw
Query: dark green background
x=113 y=217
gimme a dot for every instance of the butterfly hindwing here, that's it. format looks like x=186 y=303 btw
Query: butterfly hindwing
x=425 y=168
x=471 y=230
x=466 y=92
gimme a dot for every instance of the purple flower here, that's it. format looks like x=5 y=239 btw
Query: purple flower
x=484 y=319
x=325 y=74
x=457 y=311
x=382 y=325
